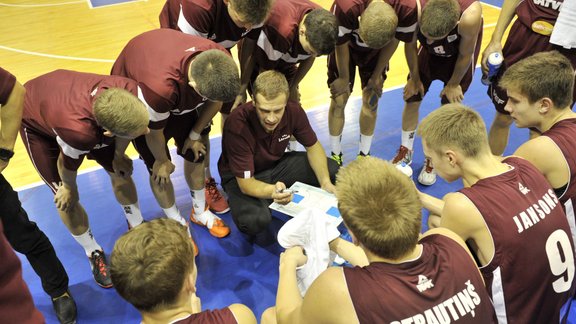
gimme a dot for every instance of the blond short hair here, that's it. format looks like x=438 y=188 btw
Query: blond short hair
x=380 y=205
x=439 y=17
x=378 y=24
x=545 y=74
x=150 y=263
x=120 y=112
x=270 y=84
x=456 y=126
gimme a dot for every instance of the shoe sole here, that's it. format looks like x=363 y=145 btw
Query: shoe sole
x=220 y=212
x=105 y=287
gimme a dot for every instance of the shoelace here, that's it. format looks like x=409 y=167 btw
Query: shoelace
x=401 y=154
x=213 y=190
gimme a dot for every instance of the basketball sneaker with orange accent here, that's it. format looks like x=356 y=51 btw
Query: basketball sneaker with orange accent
x=214 y=198
x=100 y=269
x=215 y=224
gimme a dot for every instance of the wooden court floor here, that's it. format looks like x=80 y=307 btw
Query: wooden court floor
x=39 y=36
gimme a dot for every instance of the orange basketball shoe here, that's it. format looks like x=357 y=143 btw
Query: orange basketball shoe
x=215 y=224
x=214 y=198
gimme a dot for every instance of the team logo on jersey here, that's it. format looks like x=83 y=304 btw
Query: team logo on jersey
x=283 y=138
x=451 y=38
x=424 y=283
x=523 y=189
x=191 y=49
x=93 y=93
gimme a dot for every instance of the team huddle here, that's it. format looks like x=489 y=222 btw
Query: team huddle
x=499 y=250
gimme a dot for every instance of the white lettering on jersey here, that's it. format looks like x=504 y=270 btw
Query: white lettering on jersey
x=283 y=138
x=424 y=283
x=556 y=5
x=537 y=212
x=452 y=309
x=523 y=189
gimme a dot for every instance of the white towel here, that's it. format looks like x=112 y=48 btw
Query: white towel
x=564 y=32
x=312 y=230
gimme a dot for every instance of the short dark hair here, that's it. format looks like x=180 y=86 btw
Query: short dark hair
x=380 y=207
x=216 y=75
x=321 y=30
x=150 y=263
x=378 y=24
x=439 y=17
x=254 y=12
x=545 y=74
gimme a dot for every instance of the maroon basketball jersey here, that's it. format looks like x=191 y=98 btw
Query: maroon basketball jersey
x=531 y=276
x=203 y=18
x=530 y=12
x=449 y=45
x=158 y=60
x=563 y=134
x=442 y=285
x=278 y=43
x=217 y=316
x=348 y=11
x=58 y=105
x=7 y=82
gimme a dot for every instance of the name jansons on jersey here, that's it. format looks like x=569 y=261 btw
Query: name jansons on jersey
x=537 y=212
x=452 y=309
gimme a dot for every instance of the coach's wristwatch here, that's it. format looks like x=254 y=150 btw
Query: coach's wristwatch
x=6 y=154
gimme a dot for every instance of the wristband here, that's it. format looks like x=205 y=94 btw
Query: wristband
x=194 y=136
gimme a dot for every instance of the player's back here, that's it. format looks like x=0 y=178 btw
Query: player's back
x=531 y=275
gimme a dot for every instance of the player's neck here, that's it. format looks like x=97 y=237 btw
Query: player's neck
x=554 y=118
x=410 y=256
x=484 y=166
x=181 y=310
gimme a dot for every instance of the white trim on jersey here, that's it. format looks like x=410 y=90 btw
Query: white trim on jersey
x=186 y=111
x=274 y=55
x=69 y=150
x=185 y=26
x=408 y=29
x=343 y=31
x=358 y=41
x=154 y=115
x=569 y=209
x=498 y=296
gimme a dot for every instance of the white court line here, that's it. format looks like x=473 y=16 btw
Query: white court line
x=113 y=4
x=61 y=57
x=38 y=5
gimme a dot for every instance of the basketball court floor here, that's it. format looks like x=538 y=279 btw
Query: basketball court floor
x=42 y=35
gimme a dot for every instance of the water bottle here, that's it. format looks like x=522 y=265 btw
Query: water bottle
x=494 y=62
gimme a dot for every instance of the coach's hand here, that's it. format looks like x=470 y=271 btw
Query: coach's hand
x=161 y=172
x=66 y=197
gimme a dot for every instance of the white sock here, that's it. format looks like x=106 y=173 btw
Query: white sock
x=88 y=242
x=365 y=143
x=133 y=214
x=336 y=144
x=174 y=213
x=408 y=138
x=198 y=201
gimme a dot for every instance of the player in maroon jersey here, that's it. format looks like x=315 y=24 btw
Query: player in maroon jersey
x=509 y=215
x=225 y=22
x=539 y=91
x=184 y=80
x=142 y=261
x=531 y=34
x=398 y=277
x=450 y=36
x=71 y=115
x=369 y=33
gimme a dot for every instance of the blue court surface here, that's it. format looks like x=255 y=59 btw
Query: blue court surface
x=232 y=269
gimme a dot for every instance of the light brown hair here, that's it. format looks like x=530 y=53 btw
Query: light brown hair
x=216 y=75
x=149 y=264
x=439 y=17
x=380 y=205
x=270 y=84
x=378 y=24
x=457 y=126
x=120 y=112
x=545 y=74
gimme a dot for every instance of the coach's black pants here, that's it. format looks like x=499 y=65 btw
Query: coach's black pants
x=252 y=215
x=26 y=238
